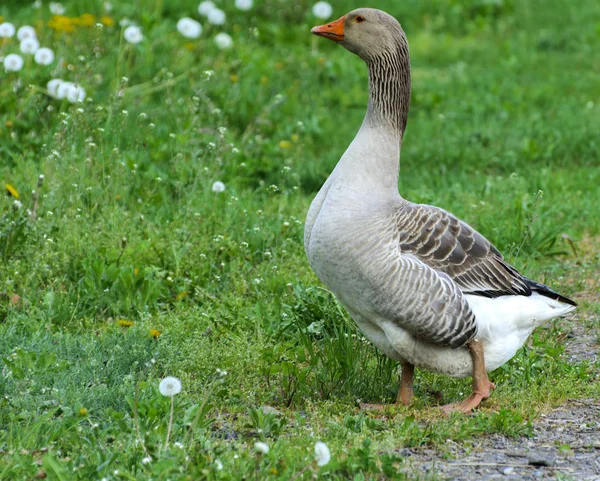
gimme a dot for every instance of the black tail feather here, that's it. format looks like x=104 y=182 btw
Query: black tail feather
x=546 y=291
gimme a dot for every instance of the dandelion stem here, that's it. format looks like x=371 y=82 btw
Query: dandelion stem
x=136 y=417
x=170 y=422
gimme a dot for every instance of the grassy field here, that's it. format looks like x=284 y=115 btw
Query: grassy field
x=123 y=266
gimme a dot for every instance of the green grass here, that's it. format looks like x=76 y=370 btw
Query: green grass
x=505 y=107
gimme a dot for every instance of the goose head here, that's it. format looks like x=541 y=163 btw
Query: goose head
x=366 y=32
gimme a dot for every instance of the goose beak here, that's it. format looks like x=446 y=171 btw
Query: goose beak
x=333 y=31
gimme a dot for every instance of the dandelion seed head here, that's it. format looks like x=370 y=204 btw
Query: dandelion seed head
x=75 y=93
x=223 y=41
x=7 y=30
x=322 y=10
x=133 y=34
x=218 y=186
x=244 y=5
x=44 y=56
x=216 y=16
x=205 y=7
x=13 y=62
x=26 y=31
x=322 y=453
x=261 y=448
x=170 y=386
x=56 y=8
x=29 y=45
x=189 y=28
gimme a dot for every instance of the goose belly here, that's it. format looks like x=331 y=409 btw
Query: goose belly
x=504 y=324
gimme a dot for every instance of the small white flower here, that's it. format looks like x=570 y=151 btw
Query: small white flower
x=52 y=87
x=13 y=62
x=218 y=465
x=218 y=186
x=216 y=16
x=170 y=386
x=17 y=205
x=205 y=7
x=223 y=40
x=133 y=34
x=188 y=27
x=7 y=29
x=322 y=453
x=75 y=93
x=146 y=460
x=56 y=8
x=322 y=10
x=29 y=45
x=260 y=447
x=44 y=56
x=244 y=5
x=26 y=31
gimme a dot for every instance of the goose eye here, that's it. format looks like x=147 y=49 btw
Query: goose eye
x=359 y=19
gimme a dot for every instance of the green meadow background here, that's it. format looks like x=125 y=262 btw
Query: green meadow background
x=123 y=266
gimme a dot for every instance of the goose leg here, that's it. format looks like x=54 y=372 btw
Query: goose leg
x=405 y=391
x=482 y=387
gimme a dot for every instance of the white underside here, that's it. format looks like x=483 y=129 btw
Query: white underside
x=504 y=324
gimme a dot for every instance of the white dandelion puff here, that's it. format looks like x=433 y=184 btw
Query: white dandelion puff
x=216 y=16
x=170 y=386
x=44 y=56
x=26 y=31
x=218 y=186
x=52 y=87
x=133 y=34
x=244 y=5
x=223 y=41
x=29 y=45
x=13 y=62
x=75 y=93
x=7 y=29
x=188 y=27
x=322 y=453
x=56 y=8
x=205 y=7
x=322 y=10
x=261 y=448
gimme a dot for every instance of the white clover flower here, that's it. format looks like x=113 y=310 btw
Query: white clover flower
x=244 y=5
x=216 y=16
x=205 y=7
x=188 y=27
x=260 y=447
x=29 y=45
x=322 y=453
x=322 y=10
x=218 y=186
x=133 y=34
x=44 y=56
x=170 y=386
x=26 y=31
x=52 y=87
x=56 y=8
x=13 y=62
x=7 y=29
x=223 y=40
x=75 y=93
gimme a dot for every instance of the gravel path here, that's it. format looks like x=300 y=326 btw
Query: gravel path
x=565 y=445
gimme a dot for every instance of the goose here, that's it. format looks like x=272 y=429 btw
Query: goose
x=424 y=287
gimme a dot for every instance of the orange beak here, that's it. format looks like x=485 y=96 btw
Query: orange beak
x=333 y=31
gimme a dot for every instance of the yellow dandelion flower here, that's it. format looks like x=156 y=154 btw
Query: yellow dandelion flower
x=83 y=412
x=118 y=197
x=321 y=60
x=61 y=23
x=264 y=80
x=294 y=138
x=1 y=19
x=155 y=333
x=12 y=191
x=9 y=123
x=190 y=46
x=109 y=22
x=136 y=271
x=181 y=296
x=87 y=20
x=273 y=471
x=125 y=323
x=234 y=78
x=285 y=144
